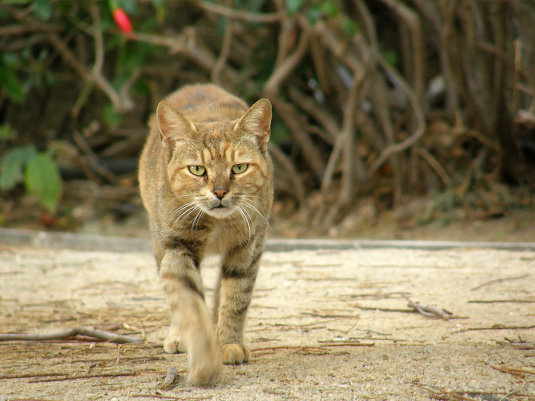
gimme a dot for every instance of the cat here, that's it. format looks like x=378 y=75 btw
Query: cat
x=206 y=181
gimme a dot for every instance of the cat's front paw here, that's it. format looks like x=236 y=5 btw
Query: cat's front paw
x=235 y=354
x=173 y=344
x=205 y=363
x=205 y=372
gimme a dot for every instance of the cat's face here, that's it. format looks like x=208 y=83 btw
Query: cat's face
x=217 y=168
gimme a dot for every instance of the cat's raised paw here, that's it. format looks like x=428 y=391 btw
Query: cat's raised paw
x=235 y=354
x=204 y=374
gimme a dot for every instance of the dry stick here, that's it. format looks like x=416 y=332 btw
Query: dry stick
x=435 y=165
x=170 y=397
x=298 y=188
x=415 y=136
x=225 y=50
x=344 y=142
x=320 y=114
x=242 y=15
x=348 y=132
x=188 y=45
x=413 y=23
x=521 y=372
x=323 y=73
x=502 y=301
x=94 y=76
x=284 y=36
x=30 y=399
x=500 y=280
x=92 y=159
x=450 y=395
x=313 y=347
x=30 y=375
x=430 y=12
x=379 y=88
x=69 y=378
x=287 y=111
x=98 y=334
x=429 y=311
x=494 y=327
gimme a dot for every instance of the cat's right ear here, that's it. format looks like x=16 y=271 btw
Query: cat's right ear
x=172 y=124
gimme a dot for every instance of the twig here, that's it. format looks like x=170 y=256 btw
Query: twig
x=435 y=165
x=313 y=347
x=98 y=334
x=500 y=280
x=298 y=188
x=429 y=311
x=81 y=377
x=418 y=114
x=32 y=375
x=495 y=327
x=377 y=309
x=170 y=397
x=520 y=372
x=225 y=50
x=519 y=345
x=443 y=394
x=502 y=301
x=242 y=15
x=287 y=111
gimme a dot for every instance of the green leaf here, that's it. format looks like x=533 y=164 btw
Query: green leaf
x=330 y=8
x=391 y=57
x=350 y=26
x=110 y=117
x=43 y=9
x=42 y=180
x=17 y=2
x=10 y=83
x=279 y=133
x=293 y=6
x=13 y=162
x=129 y=6
x=6 y=132
x=314 y=13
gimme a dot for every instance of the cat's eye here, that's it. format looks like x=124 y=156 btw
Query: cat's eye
x=197 y=170
x=239 y=168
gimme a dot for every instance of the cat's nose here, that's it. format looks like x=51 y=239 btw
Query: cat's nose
x=220 y=192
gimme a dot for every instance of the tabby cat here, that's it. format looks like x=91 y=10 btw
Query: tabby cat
x=206 y=180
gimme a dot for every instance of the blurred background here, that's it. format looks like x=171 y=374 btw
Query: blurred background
x=392 y=118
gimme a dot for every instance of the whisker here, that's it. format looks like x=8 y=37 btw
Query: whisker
x=178 y=210
x=185 y=214
x=246 y=219
x=197 y=219
x=249 y=205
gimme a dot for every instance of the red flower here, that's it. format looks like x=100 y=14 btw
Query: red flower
x=122 y=20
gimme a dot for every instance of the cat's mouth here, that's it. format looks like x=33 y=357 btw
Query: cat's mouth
x=220 y=210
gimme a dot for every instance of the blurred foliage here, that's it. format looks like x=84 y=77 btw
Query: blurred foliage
x=387 y=98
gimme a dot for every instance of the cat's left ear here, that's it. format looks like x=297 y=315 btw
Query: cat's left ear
x=172 y=124
x=257 y=121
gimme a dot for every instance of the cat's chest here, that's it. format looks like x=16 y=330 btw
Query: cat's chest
x=222 y=237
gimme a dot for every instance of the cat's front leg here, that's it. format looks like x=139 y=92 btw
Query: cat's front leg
x=189 y=315
x=238 y=276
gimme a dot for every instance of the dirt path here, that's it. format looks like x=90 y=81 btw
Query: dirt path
x=325 y=324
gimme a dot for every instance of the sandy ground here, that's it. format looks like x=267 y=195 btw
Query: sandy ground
x=325 y=324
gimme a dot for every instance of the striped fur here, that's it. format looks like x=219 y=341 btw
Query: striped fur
x=202 y=125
